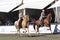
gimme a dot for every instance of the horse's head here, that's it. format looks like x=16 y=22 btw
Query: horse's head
x=26 y=17
x=49 y=16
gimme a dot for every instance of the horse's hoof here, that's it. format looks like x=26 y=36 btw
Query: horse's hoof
x=24 y=32
x=29 y=34
x=48 y=29
x=37 y=33
x=21 y=34
x=18 y=32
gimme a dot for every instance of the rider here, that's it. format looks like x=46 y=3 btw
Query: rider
x=42 y=17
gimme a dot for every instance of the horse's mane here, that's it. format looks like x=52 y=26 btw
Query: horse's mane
x=47 y=11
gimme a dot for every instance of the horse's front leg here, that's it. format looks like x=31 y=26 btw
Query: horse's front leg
x=49 y=25
x=28 y=28
x=24 y=28
x=18 y=31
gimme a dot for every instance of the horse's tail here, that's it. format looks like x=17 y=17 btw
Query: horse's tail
x=15 y=24
x=34 y=25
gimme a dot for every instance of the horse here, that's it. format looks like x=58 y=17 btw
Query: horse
x=18 y=23
x=22 y=23
x=25 y=23
x=47 y=21
x=39 y=22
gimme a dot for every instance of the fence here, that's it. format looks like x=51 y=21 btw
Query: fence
x=12 y=30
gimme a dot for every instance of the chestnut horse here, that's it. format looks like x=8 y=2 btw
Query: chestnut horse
x=22 y=23
x=45 y=22
x=25 y=23
x=37 y=24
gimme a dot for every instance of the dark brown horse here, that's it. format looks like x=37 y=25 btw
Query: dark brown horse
x=18 y=23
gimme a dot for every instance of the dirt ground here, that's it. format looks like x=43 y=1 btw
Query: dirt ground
x=30 y=37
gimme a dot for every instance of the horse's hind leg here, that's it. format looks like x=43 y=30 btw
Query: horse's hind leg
x=18 y=29
x=50 y=29
x=36 y=30
x=35 y=27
